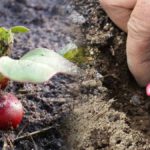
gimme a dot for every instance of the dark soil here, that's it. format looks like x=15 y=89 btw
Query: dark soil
x=51 y=24
x=103 y=110
x=113 y=114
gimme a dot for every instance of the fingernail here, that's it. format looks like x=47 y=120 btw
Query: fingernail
x=148 y=89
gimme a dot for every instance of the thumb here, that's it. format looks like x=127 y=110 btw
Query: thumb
x=138 y=42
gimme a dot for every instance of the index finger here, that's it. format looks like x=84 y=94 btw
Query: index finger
x=138 y=42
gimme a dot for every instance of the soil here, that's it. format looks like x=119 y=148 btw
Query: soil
x=114 y=113
x=50 y=23
x=104 y=109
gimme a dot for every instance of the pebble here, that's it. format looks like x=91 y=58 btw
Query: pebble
x=111 y=101
x=99 y=76
x=77 y=18
x=135 y=100
x=89 y=83
x=113 y=117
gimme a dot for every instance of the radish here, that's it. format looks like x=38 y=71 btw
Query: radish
x=11 y=111
x=36 y=66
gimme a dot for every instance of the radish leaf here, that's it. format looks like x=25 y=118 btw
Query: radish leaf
x=19 y=29
x=36 y=66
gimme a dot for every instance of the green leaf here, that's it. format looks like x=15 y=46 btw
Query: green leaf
x=6 y=41
x=5 y=35
x=36 y=66
x=67 y=48
x=74 y=53
x=19 y=29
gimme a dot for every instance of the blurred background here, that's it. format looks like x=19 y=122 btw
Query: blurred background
x=52 y=23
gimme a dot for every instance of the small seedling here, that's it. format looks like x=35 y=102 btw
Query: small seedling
x=6 y=43
x=36 y=66
x=7 y=38
x=74 y=53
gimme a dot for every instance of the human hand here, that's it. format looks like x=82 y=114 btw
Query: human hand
x=133 y=17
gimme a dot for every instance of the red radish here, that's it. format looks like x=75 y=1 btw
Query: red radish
x=11 y=111
x=148 y=89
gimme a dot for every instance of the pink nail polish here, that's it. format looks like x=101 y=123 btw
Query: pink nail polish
x=148 y=89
